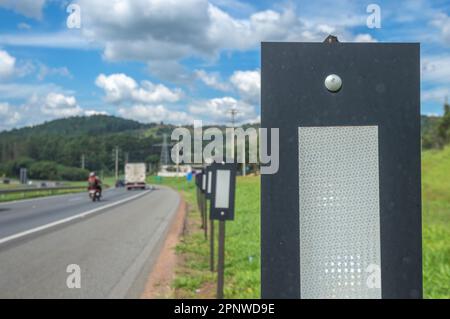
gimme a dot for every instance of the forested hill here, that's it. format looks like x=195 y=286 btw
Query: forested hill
x=65 y=142
x=80 y=125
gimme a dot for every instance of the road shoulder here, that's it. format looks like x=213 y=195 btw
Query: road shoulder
x=159 y=281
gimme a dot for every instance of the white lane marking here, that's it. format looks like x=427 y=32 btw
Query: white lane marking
x=66 y=220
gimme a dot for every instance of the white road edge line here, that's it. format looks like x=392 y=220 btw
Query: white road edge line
x=66 y=220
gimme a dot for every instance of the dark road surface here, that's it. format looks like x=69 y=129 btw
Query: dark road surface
x=114 y=243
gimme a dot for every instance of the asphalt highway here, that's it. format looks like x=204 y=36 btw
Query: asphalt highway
x=112 y=243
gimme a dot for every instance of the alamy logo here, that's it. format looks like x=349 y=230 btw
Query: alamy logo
x=221 y=146
x=74 y=19
x=374 y=19
x=74 y=279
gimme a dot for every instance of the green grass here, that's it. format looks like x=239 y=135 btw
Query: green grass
x=35 y=194
x=9 y=186
x=436 y=223
x=108 y=182
x=242 y=269
x=242 y=245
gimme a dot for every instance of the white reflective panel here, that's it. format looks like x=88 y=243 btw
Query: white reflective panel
x=223 y=189
x=339 y=212
x=204 y=182
x=209 y=182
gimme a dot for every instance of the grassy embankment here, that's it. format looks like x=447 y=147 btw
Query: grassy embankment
x=242 y=261
x=436 y=223
x=109 y=181
x=242 y=276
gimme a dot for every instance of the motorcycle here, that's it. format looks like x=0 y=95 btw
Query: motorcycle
x=94 y=194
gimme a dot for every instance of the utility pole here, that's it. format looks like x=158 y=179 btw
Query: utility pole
x=178 y=159
x=83 y=161
x=233 y=112
x=243 y=156
x=126 y=157
x=117 y=163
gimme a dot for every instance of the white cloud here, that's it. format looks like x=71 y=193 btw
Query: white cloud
x=235 y=6
x=435 y=76
x=146 y=29
x=4 y=107
x=23 y=26
x=217 y=110
x=364 y=37
x=158 y=113
x=117 y=87
x=24 y=91
x=45 y=71
x=9 y=116
x=64 y=39
x=164 y=31
x=94 y=112
x=438 y=95
x=28 y=8
x=442 y=22
x=120 y=88
x=7 y=65
x=43 y=108
x=212 y=80
x=172 y=71
x=59 y=105
x=11 y=67
x=256 y=120
x=248 y=84
x=161 y=30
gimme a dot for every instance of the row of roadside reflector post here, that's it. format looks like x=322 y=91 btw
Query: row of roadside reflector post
x=216 y=183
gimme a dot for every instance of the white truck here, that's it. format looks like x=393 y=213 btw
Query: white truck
x=135 y=176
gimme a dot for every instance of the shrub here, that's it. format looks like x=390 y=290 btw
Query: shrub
x=72 y=173
x=44 y=170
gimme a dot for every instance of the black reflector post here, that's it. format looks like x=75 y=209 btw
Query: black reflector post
x=199 y=179
x=223 y=191
x=198 y=183
x=222 y=209
x=208 y=195
x=342 y=216
x=204 y=202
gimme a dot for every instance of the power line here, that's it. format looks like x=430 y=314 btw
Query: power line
x=164 y=160
x=117 y=164
x=233 y=112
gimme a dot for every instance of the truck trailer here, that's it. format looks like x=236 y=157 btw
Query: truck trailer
x=135 y=176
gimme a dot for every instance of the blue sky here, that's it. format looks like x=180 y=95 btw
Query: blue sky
x=176 y=61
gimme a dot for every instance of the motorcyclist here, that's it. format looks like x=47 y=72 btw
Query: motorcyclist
x=95 y=182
